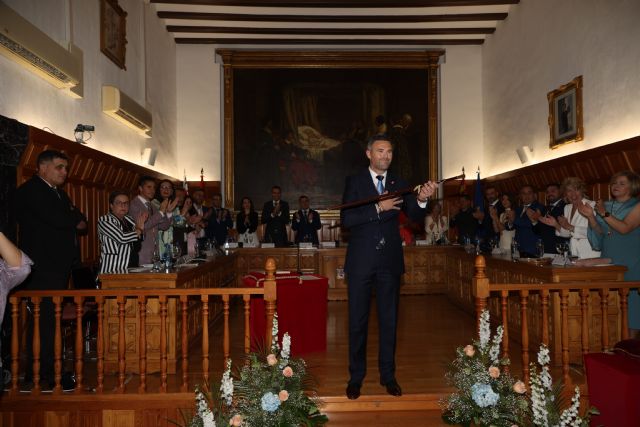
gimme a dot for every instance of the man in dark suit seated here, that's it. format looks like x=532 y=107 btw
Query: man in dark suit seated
x=306 y=222
x=275 y=216
x=48 y=226
x=526 y=221
x=555 y=208
x=375 y=260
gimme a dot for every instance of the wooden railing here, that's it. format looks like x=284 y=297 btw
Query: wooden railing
x=498 y=297
x=184 y=299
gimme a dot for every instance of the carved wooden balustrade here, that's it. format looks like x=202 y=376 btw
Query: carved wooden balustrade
x=183 y=299
x=499 y=296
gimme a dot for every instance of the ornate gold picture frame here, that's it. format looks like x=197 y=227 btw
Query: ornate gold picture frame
x=113 y=32
x=565 y=114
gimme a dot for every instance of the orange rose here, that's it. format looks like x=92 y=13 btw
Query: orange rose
x=283 y=395
x=271 y=359
x=469 y=351
x=236 y=421
x=287 y=372
x=519 y=387
x=494 y=372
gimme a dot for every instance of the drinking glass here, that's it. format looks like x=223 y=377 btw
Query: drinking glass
x=155 y=259
x=540 y=248
x=515 y=251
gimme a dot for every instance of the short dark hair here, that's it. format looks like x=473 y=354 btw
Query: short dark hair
x=490 y=187
x=553 y=184
x=144 y=179
x=196 y=190
x=217 y=195
x=303 y=196
x=276 y=187
x=465 y=196
x=116 y=193
x=376 y=138
x=533 y=189
x=49 y=155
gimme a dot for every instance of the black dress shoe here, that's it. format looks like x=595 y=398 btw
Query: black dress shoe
x=353 y=391
x=393 y=388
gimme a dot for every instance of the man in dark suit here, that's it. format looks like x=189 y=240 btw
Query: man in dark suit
x=375 y=260
x=275 y=216
x=158 y=218
x=492 y=198
x=526 y=221
x=219 y=222
x=554 y=208
x=306 y=222
x=48 y=225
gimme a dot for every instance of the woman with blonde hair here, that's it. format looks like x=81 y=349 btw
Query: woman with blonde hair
x=614 y=227
x=573 y=224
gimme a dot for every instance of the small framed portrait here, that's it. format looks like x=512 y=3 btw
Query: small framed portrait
x=565 y=113
x=113 y=32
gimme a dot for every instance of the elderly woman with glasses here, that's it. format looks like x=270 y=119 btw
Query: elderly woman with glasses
x=119 y=235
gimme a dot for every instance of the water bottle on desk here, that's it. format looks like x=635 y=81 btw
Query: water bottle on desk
x=515 y=252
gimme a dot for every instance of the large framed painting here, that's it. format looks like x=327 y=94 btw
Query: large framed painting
x=305 y=128
x=565 y=113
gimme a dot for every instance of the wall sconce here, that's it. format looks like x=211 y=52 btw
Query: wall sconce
x=149 y=156
x=525 y=153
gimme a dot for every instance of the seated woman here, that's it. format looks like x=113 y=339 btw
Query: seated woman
x=573 y=224
x=436 y=224
x=247 y=223
x=503 y=224
x=119 y=235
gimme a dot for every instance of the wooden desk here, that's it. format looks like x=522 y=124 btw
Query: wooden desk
x=216 y=273
x=425 y=266
x=501 y=269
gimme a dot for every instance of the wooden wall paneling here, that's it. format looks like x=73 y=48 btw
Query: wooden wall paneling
x=92 y=176
x=119 y=418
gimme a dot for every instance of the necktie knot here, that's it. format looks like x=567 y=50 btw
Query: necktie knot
x=380 y=186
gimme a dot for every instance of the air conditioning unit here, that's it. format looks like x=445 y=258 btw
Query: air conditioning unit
x=24 y=43
x=121 y=107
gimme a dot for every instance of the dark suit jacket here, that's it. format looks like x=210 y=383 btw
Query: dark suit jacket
x=526 y=234
x=303 y=227
x=487 y=222
x=47 y=226
x=218 y=229
x=548 y=233
x=276 y=227
x=367 y=228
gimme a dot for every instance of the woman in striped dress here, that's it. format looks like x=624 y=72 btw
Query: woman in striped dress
x=119 y=235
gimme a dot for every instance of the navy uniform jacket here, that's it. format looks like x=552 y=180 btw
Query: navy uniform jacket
x=548 y=233
x=367 y=228
x=276 y=227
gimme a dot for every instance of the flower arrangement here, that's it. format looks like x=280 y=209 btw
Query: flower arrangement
x=547 y=399
x=269 y=390
x=486 y=395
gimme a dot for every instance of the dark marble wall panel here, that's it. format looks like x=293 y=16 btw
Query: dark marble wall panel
x=13 y=141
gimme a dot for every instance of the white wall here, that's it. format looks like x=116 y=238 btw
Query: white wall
x=544 y=44
x=461 y=124
x=150 y=79
x=199 y=113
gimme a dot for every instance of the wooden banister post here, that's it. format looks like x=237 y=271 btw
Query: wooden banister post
x=270 y=297
x=480 y=287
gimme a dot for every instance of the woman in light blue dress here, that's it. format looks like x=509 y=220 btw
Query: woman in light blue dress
x=614 y=228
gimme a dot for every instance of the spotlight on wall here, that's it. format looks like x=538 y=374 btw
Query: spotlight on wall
x=149 y=156
x=79 y=131
x=525 y=153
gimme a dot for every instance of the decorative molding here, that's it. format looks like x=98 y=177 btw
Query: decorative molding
x=342 y=4
x=325 y=42
x=328 y=31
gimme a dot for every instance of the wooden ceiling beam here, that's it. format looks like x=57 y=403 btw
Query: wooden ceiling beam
x=334 y=18
x=364 y=42
x=342 y=3
x=328 y=31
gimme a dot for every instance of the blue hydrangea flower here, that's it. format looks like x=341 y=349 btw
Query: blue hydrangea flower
x=484 y=395
x=270 y=402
